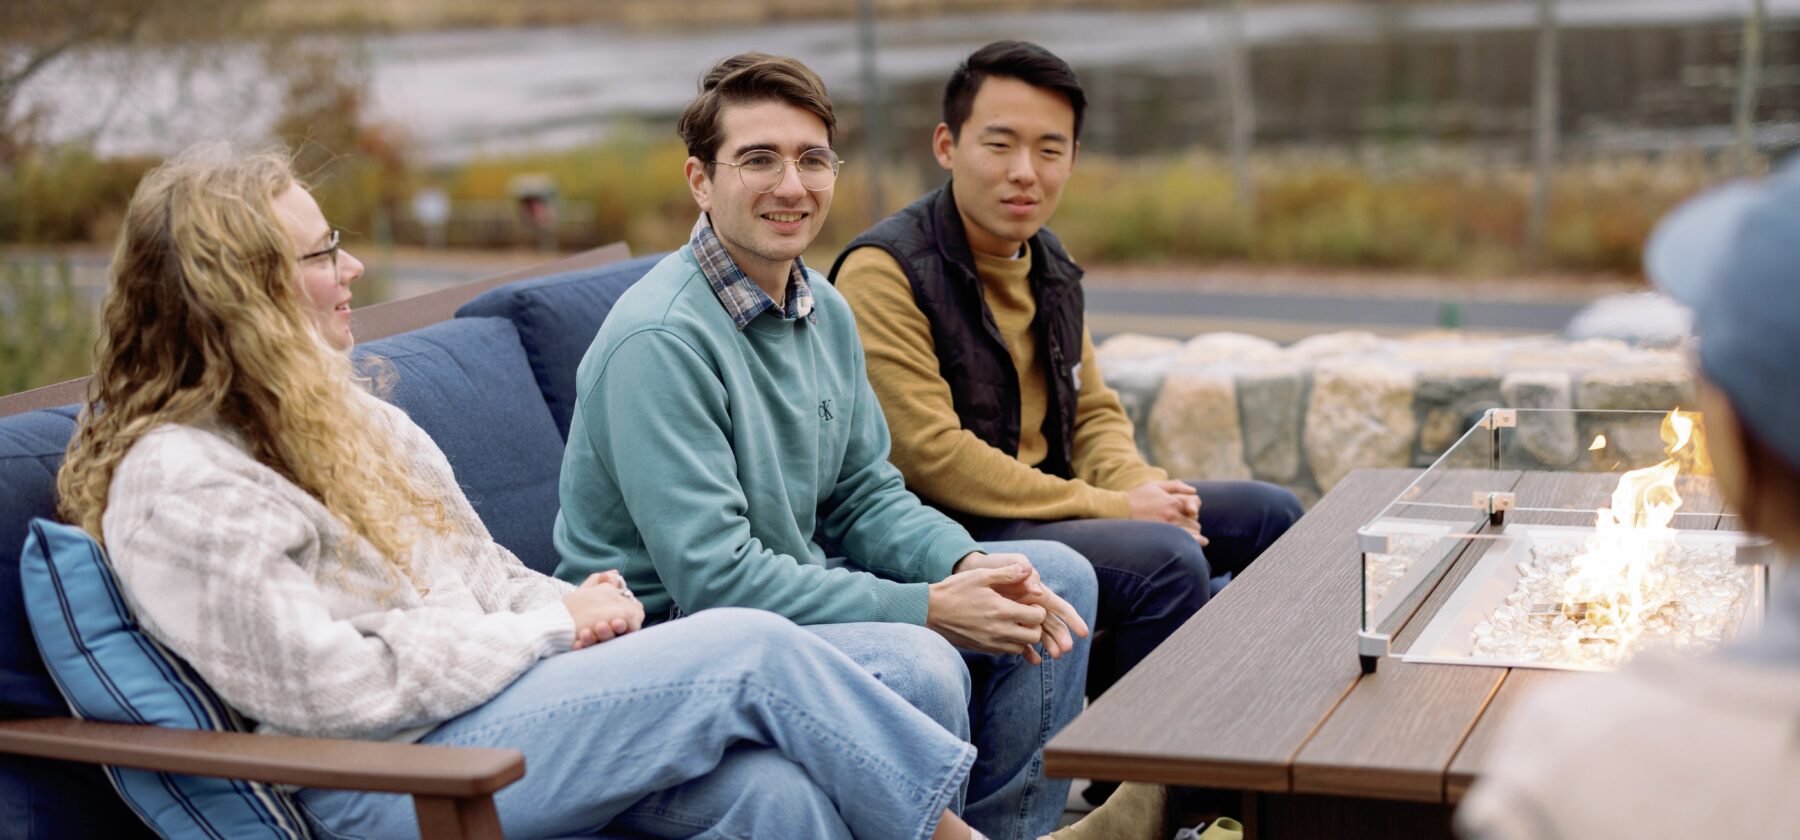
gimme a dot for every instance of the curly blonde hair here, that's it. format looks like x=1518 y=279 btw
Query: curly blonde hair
x=205 y=321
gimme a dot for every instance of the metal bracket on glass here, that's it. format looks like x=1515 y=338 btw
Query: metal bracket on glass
x=1494 y=420
x=1495 y=505
x=1499 y=418
x=1370 y=648
x=1369 y=542
x=1759 y=552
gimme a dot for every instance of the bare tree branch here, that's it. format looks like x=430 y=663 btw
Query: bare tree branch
x=43 y=32
x=45 y=56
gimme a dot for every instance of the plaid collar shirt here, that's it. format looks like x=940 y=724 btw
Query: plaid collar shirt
x=740 y=295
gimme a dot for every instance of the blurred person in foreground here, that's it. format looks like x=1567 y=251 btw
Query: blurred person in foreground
x=1710 y=746
x=972 y=318
x=306 y=548
x=726 y=451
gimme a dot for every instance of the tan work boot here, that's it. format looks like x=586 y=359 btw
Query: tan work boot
x=1135 y=811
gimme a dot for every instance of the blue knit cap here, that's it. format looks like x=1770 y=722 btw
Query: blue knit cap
x=1733 y=255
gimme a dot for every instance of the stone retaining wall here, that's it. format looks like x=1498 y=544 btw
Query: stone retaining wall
x=1227 y=405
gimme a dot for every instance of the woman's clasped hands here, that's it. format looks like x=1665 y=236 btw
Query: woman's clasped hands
x=603 y=608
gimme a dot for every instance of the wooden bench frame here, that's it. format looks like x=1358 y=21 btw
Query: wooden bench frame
x=452 y=787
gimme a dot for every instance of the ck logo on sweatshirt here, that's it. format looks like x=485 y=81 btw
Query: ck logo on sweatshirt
x=825 y=410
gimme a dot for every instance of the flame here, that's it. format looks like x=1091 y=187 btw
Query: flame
x=1598 y=444
x=1612 y=576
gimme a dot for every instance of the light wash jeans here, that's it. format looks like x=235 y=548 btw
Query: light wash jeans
x=731 y=723
x=1006 y=706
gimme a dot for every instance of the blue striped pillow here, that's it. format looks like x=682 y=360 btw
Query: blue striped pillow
x=109 y=669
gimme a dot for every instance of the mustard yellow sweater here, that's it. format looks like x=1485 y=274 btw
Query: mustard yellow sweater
x=948 y=464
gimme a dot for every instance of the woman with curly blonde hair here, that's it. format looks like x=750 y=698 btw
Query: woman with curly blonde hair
x=307 y=549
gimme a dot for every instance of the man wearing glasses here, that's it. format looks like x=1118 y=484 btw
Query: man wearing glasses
x=972 y=317
x=726 y=450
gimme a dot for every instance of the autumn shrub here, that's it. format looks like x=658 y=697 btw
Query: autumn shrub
x=1442 y=213
x=66 y=195
x=47 y=334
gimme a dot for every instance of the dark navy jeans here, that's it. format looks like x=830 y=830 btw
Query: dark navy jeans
x=1154 y=576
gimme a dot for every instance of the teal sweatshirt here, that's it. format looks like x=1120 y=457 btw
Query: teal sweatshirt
x=708 y=465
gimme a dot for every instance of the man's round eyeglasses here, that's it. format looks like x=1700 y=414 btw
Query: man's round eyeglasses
x=762 y=171
x=330 y=250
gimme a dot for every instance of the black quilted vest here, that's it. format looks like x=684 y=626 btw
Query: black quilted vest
x=928 y=242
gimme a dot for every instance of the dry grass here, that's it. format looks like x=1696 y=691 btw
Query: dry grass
x=1438 y=213
x=48 y=333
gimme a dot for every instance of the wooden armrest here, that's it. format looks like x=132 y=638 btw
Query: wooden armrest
x=418 y=769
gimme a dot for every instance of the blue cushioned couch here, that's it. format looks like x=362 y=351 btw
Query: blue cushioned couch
x=495 y=386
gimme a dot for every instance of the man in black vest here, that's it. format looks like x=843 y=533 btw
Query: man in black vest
x=971 y=315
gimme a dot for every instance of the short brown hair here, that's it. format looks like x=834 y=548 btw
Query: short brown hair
x=750 y=77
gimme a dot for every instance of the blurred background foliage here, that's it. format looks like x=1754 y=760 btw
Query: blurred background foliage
x=48 y=331
x=1440 y=214
x=1386 y=151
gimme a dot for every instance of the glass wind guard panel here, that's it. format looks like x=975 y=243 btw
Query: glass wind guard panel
x=1500 y=554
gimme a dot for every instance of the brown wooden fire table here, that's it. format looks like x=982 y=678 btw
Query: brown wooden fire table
x=1262 y=692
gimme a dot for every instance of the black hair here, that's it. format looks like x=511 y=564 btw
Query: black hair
x=1022 y=60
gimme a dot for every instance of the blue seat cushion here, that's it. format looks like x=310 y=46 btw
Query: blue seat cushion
x=466 y=383
x=557 y=317
x=109 y=669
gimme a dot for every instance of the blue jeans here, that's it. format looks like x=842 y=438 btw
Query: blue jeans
x=1006 y=706
x=1152 y=576
x=732 y=723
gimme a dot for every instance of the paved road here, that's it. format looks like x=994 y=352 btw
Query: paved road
x=1182 y=314
x=1163 y=308
x=1170 y=310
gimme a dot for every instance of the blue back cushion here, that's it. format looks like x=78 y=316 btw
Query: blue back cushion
x=39 y=798
x=31 y=451
x=108 y=669
x=557 y=317
x=466 y=383
x=54 y=800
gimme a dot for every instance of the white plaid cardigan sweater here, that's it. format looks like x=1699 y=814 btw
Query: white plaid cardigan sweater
x=234 y=568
